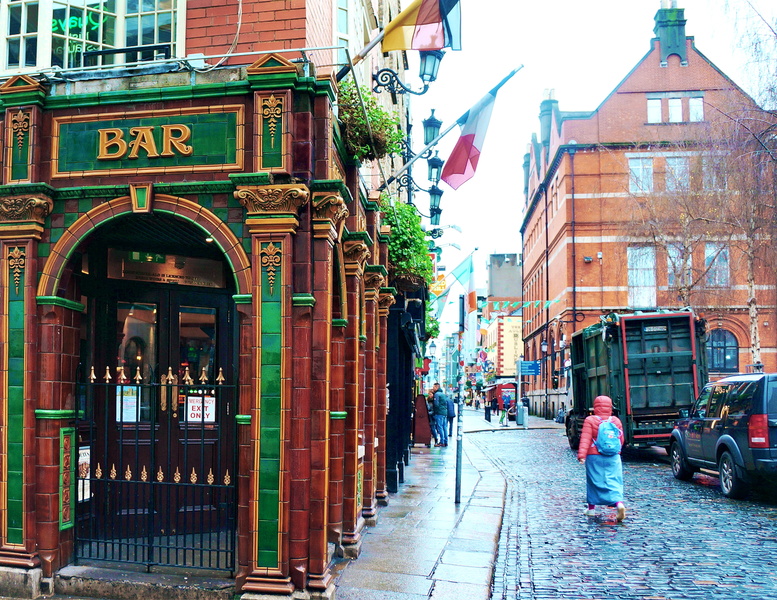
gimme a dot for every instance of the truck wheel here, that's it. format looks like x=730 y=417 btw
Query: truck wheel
x=680 y=468
x=731 y=484
x=572 y=434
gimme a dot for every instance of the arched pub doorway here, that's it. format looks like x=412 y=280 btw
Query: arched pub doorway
x=156 y=396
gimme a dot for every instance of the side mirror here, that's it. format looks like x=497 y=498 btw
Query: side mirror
x=684 y=413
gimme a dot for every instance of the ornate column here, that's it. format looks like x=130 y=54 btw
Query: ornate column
x=272 y=219
x=385 y=300
x=374 y=278
x=356 y=252
x=25 y=472
x=329 y=214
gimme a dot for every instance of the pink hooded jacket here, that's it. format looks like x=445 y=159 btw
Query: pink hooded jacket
x=603 y=409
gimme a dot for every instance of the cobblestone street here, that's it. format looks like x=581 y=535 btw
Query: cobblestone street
x=680 y=539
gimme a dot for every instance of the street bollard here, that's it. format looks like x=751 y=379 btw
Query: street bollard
x=488 y=413
x=525 y=411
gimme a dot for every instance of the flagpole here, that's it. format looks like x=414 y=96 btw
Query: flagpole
x=360 y=56
x=462 y=118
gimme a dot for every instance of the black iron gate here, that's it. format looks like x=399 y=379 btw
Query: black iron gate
x=156 y=477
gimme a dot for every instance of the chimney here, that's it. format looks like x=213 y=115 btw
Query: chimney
x=547 y=107
x=670 y=30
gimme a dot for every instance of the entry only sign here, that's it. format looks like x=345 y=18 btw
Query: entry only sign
x=530 y=367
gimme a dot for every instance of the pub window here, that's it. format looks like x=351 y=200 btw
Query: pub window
x=56 y=33
x=695 y=109
x=675 y=110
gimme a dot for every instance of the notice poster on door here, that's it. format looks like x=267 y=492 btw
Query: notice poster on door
x=201 y=409
x=127 y=404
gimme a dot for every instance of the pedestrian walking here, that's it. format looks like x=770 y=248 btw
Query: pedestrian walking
x=432 y=418
x=441 y=415
x=451 y=416
x=599 y=450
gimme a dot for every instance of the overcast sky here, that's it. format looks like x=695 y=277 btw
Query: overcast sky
x=581 y=49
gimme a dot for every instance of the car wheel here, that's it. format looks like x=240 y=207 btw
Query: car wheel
x=680 y=468
x=731 y=484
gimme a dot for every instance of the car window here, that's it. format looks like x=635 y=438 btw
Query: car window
x=700 y=410
x=740 y=399
x=772 y=397
x=716 y=400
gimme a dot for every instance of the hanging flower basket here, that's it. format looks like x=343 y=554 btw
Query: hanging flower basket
x=386 y=132
x=407 y=282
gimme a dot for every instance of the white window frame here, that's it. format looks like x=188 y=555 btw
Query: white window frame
x=654 y=110
x=695 y=109
x=640 y=175
x=677 y=177
x=716 y=260
x=674 y=265
x=641 y=261
x=675 y=110
x=45 y=36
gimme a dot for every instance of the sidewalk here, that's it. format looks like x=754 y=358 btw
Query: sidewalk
x=424 y=544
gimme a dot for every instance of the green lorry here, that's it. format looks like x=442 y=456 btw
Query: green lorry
x=652 y=365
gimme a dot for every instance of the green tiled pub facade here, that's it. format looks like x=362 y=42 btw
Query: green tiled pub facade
x=192 y=330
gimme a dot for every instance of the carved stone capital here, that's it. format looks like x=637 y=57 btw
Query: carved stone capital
x=356 y=252
x=374 y=280
x=25 y=208
x=272 y=199
x=330 y=207
x=385 y=300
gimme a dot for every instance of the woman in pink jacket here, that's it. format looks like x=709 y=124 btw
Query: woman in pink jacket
x=603 y=472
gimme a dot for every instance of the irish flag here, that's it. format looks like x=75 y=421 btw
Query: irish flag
x=425 y=25
x=463 y=161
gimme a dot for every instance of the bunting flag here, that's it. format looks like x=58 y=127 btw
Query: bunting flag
x=461 y=165
x=425 y=25
x=463 y=271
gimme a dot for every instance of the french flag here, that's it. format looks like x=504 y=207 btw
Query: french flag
x=463 y=161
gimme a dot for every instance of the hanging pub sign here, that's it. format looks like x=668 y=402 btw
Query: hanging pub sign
x=165 y=268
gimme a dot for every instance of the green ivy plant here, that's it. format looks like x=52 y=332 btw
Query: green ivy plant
x=386 y=130
x=408 y=252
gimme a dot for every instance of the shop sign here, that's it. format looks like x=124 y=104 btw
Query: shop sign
x=185 y=140
x=165 y=268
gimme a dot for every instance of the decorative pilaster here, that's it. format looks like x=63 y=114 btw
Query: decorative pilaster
x=385 y=300
x=374 y=279
x=272 y=218
x=356 y=251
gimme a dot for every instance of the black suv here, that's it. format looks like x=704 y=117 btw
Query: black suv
x=732 y=429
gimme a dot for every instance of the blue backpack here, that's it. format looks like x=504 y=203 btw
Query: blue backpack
x=608 y=441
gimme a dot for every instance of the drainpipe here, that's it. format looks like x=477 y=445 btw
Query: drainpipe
x=547 y=297
x=574 y=246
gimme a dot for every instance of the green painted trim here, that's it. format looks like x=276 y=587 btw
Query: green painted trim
x=389 y=290
x=371 y=206
x=362 y=236
x=303 y=300
x=57 y=301
x=44 y=413
x=27 y=188
x=242 y=298
x=243 y=419
x=363 y=338
x=67 y=432
x=338 y=415
x=332 y=185
x=376 y=269
x=116 y=191
x=339 y=322
x=250 y=179
x=384 y=238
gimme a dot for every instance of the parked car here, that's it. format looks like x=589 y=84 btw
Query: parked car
x=731 y=429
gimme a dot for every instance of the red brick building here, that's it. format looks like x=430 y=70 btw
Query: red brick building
x=586 y=176
x=193 y=326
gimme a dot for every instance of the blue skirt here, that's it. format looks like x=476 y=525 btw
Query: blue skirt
x=603 y=479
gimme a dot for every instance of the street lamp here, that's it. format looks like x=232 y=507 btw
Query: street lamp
x=435 y=168
x=389 y=79
x=435 y=195
x=431 y=128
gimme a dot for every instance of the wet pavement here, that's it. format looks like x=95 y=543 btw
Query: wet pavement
x=425 y=545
